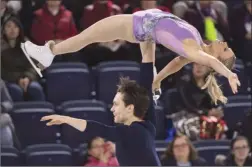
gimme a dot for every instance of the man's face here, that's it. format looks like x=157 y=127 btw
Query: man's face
x=121 y=112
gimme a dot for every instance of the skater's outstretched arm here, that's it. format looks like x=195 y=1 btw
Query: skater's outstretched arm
x=172 y=67
x=112 y=133
x=79 y=124
x=201 y=57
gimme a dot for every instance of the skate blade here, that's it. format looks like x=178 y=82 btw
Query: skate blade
x=41 y=67
x=156 y=95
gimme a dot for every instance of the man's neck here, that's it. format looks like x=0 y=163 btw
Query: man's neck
x=131 y=120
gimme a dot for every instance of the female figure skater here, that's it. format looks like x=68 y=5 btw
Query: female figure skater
x=148 y=28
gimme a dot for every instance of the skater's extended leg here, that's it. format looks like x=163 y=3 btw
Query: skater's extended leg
x=105 y=30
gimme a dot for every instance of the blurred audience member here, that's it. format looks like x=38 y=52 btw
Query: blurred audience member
x=127 y=6
x=209 y=22
x=6 y=100
x=245 y=126
x=26 y=13
x=220 y=160
x=21 y=78
x=6 y=12
x=179 y=8
x=213 y=126
x=7 y=138
x=181 y=152
x=190 y=102
x=240 y=21
x=8 y=134
x=151 y=4
x=101 y=153
x=193 y=98
x=16 y=6
x=100 y=9
x=76 y=7
x=239 y=155
x=52 y=22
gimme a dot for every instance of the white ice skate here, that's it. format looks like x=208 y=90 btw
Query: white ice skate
x=42 y=54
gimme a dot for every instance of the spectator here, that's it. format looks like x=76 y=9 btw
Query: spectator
x=193 y=98
x=16 y=70
x=15 y=6
x=126 y=5
x=76 y=7
x=101 y=153
x=181 y=153
x=7 y=138
x=6 y=101
x=179 y=8
x=100 y=9
x=190 y=102
x=8 y=134
x=151 y=4
x=245 y=127
x=239 y=153
x=26 y=13
x=213 y=126
x=52 y=22
x=240 y=21
x=6 y=12
x=209 y=22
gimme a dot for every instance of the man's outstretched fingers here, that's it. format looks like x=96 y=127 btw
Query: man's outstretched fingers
x=46 y=118
x=49 y=123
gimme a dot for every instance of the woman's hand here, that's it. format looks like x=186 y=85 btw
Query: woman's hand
x=156 y=85
x=233 y=82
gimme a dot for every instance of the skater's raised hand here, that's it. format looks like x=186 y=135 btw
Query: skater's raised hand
x=54 y=119
x=156 y=85
x=234 y=82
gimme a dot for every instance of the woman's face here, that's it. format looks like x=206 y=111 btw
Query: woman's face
x=11 y=30
x=97 y=147
x=199 y=71
x=241 y=149
x=248 y=5
x=181 y=148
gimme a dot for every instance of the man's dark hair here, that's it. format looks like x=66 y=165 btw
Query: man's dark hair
x=134 y=94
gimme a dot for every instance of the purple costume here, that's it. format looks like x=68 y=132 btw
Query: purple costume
x=164 y=28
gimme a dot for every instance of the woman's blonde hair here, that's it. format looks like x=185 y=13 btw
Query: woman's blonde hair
x=212 y=86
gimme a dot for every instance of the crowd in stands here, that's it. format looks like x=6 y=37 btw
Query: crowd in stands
x=190 y=126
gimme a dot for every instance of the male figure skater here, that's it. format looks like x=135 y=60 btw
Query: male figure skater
x=133 y=109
